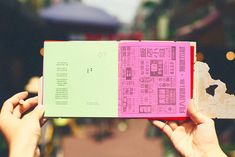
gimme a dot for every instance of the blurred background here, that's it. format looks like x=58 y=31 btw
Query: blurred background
x=26 y=24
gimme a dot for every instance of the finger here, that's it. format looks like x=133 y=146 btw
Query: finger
x=42 y=52
x=12 y=102
x=37 y=152
x=164 y=127
x=37 y=112
x=196 y=116
x=43 y=121
x=28 y=104
x=17 y=97
x=173 y=125
x=25 y=106
x=16 y=111
x=40 y=90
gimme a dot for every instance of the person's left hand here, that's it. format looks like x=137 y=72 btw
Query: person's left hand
x=21 y=125
x=195 y=137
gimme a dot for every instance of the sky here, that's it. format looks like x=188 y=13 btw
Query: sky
x=124 y=10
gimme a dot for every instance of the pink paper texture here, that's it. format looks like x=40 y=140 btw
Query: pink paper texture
x=154 y=79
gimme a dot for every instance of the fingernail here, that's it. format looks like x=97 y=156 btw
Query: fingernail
x=22 y=102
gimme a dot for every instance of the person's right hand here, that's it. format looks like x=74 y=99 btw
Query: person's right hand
x=21 y=125
x=193 y=138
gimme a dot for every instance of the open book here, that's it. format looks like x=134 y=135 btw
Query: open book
x=125 y=79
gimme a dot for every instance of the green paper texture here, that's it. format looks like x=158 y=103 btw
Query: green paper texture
x=80 y=79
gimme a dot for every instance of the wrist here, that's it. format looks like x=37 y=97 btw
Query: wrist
x=21 y=149
x=214 y=152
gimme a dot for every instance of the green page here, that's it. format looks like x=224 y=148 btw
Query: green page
x=81 y=79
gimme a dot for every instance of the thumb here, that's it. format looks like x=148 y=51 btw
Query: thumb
x=38 y=112
x=195 y=115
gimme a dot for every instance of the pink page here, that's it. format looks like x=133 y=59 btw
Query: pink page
x=154 y=79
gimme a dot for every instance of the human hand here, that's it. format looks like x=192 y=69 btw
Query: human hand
x=42 y=52
x=193 y=138
x=21 y=126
